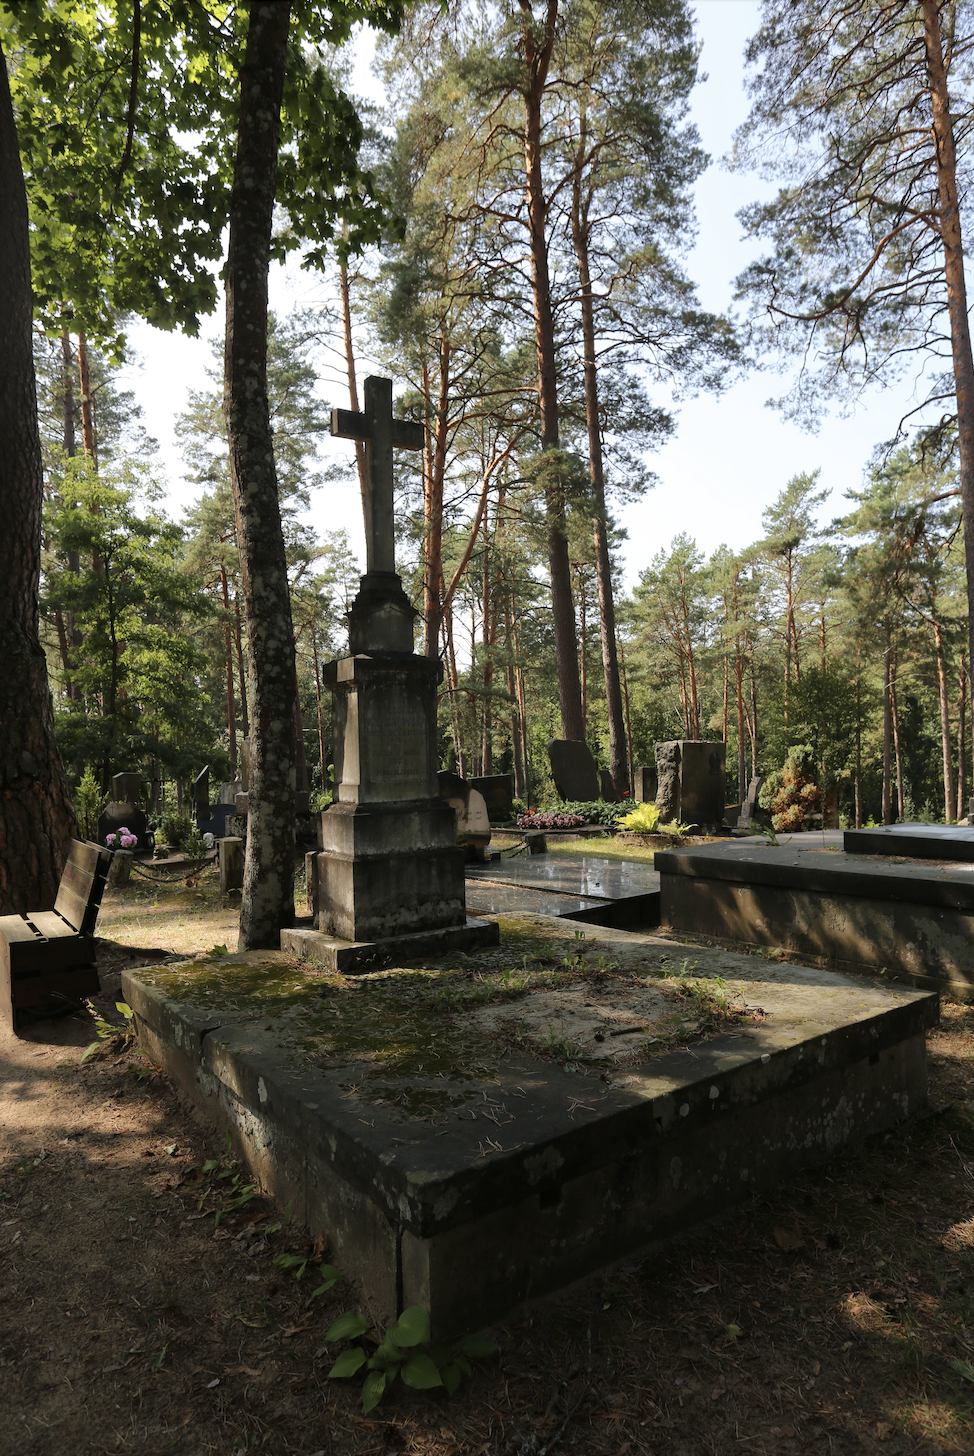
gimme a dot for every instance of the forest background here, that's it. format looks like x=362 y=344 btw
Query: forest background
x=847 y=636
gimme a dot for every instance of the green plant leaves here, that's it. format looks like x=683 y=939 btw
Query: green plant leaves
x=420 y=1373
x=373 y=1390
x=329 y=1276
x=348 y=1364
x=412 y=1328
x=348 y=1327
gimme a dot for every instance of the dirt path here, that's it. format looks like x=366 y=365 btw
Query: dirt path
x=832 y=1315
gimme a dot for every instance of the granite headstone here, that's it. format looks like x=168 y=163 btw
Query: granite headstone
x=691 y=782
x=126 y=788
x=122 y=815
x=645 y=785
x=498 y=792
x=573 y=769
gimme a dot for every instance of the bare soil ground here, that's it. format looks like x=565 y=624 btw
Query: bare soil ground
x=831 y=1315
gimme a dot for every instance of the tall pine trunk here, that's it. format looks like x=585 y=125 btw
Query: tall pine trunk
x=36 y=814
x=950 y=809
x=618 y=758
x=537 y=44
x=953 y=245
x=268 y=889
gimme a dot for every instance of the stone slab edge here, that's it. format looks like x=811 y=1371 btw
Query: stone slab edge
x=848 y=875
x=361 y=956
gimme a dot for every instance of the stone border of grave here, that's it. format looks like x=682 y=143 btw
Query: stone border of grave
x=468 y=1220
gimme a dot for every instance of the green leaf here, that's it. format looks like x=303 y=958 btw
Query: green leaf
x=125 y=1009
x=329 y=1276
x=347 y=1364
x=420 y=1373
x=478 y=1347
x=412 y=1328
x=463 y=1365
x=451 y=1377
x=373 y=1390
x=347 y=1327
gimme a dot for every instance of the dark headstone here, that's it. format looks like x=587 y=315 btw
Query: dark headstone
x=118 y=816
x=645 y=785
x=691 y=782
x=216 y=824
x=752 y=815
x=573 y=769
x=451 y=785
x=231 y=864
x=127 y=788
x=201 y=797
x=498 y=792
x=607 y=787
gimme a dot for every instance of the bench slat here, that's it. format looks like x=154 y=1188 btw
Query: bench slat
x=87 y=857
x=13 y=929
x=72 y=906
x=50 y=924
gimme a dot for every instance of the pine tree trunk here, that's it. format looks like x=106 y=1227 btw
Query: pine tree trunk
x=962 y=741
x=618 y=759
x=887 y=733
x=434 y=530
x=960 y=329
x=36 y=815
x=241 y=674
x=895 y=712
x=231 y=696
x=268 y=890
x=950 y=811
x=537 y=54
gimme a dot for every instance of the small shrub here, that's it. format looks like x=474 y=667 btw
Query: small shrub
x=176 y=829
x=791 y=794
x=88 y=804
x=546 y=819
x=644 y=819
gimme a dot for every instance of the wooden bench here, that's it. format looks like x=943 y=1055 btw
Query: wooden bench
x=47 y=957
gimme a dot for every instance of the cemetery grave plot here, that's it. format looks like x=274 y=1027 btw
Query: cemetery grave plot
x=910 y=917
x=585 y=888
x=464 y=1137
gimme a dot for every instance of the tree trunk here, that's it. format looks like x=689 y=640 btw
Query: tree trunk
x=238 y=638
x=268 y=890
x=962 y=741
x=231 y=696
x=625 y=696
x=618 y=760
x=87 y=415
x=350 y=370
x=537 y=45
x=960 y=330
x=887 y=733
x=434 y=529
x=741 y=745
x=516 y=730
x=36 y=815
x=895 y=711
x=950 y=810
x=582 y=646
x=321 y=729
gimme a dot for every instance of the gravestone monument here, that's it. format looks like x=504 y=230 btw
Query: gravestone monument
x=470 y=807
x=691 y=782
x=645 y=785
x=752 y=815
x=124 y=815
x=388 y=878
x=498 y=792
x=574 y=770
x=126 y=788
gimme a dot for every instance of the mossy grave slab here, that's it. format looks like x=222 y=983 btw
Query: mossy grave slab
x=472 y=1131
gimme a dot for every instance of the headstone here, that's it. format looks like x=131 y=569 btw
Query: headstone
x=573 y=769
x=607 y=787
x=498 y=792
x=241 y=804
x=691 y=782
x=752 y=815
x=229 y=792
x=470 y=807
x=201 y=795
x=117 y=816
x=217 y=822
x=389 y=865
x=245 y=764
x=127 y=788
x=231 y=864
x=645 y=785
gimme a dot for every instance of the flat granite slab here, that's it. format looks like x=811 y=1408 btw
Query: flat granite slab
x=919 y=841
x=619 y=893
x=910 y=917
x=486 y=1128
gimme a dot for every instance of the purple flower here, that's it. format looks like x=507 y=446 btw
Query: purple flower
x=110 y=840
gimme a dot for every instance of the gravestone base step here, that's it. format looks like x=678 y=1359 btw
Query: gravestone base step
x=359 y=956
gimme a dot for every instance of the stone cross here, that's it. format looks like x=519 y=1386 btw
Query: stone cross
x=382 y=434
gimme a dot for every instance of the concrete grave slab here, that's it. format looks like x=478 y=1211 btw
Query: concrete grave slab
x=465 y=1140
x=621 y=893
x=912 y=918
x=918 y=841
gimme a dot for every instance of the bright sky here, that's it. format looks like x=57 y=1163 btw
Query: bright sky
x=730 y=457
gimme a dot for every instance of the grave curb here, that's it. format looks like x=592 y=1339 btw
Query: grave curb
x=419 y=1218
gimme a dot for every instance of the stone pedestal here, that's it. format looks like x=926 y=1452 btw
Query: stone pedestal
x=388 y=866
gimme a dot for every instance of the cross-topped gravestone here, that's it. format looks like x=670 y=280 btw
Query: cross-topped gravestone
x=382 y=434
